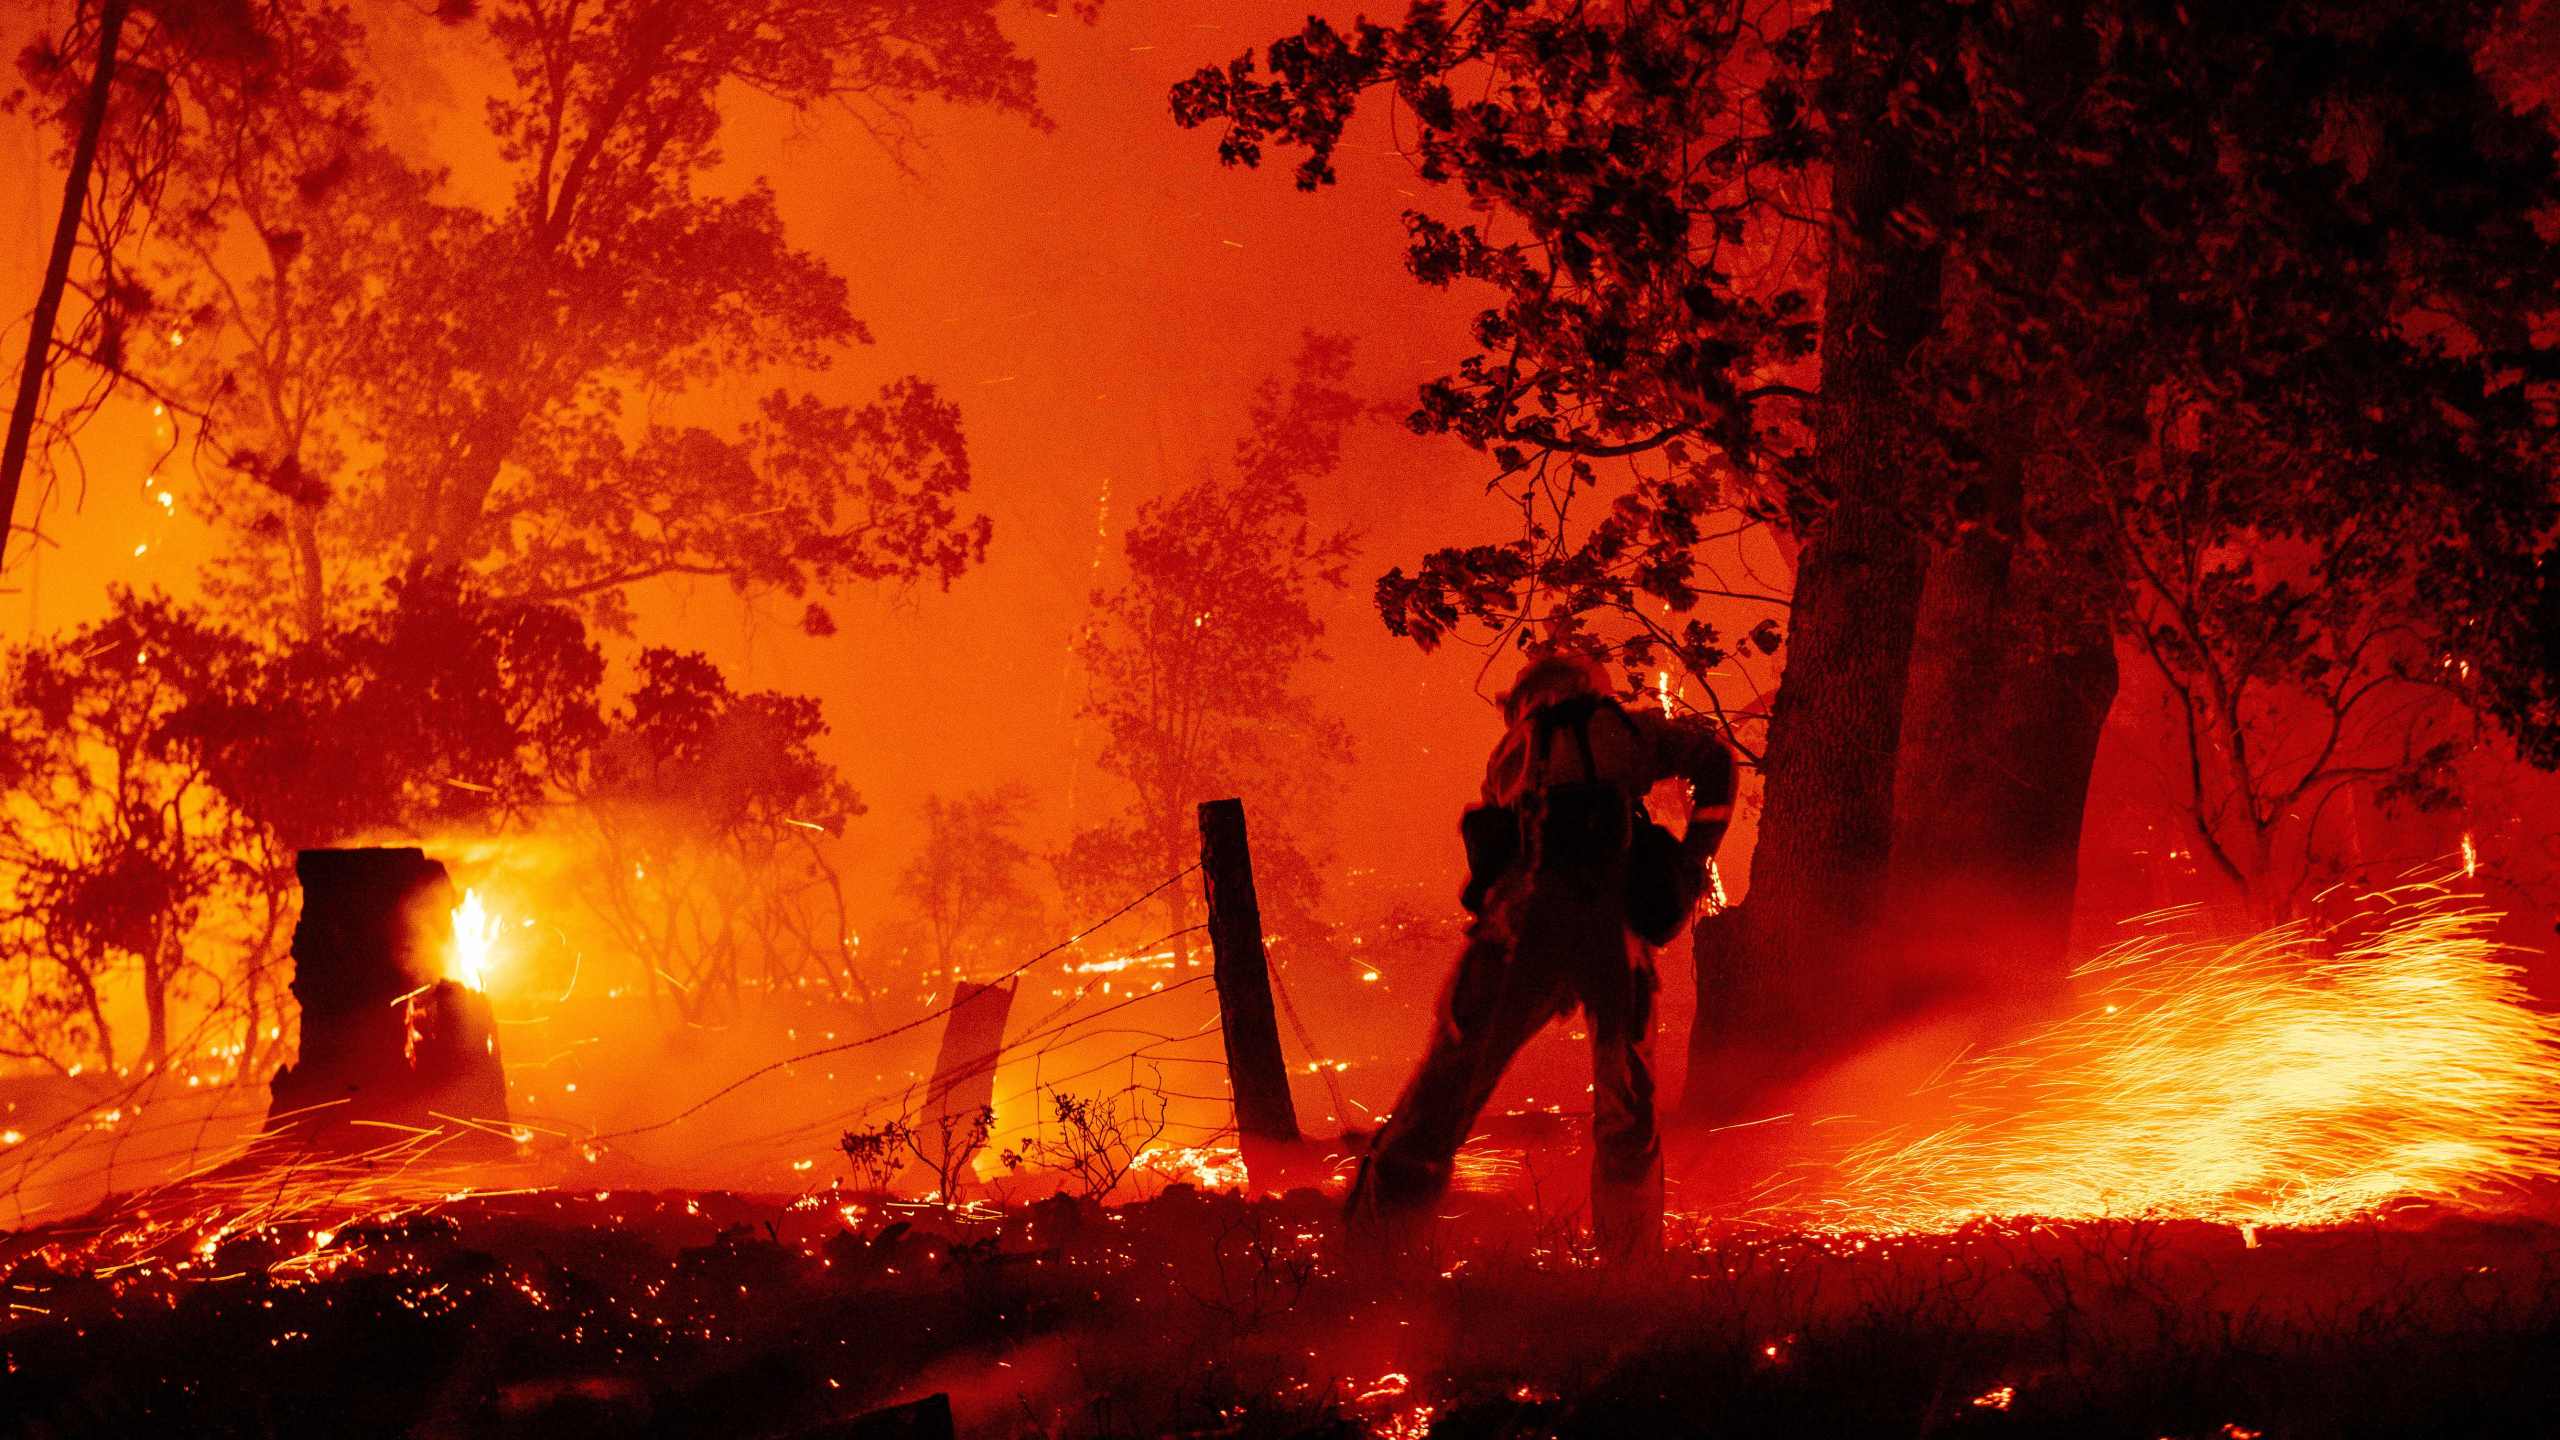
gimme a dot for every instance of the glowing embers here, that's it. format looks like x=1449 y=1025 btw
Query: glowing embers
x=1210 y=1167
x=475 y=942
x=2299 y=1076
x=1159 y=960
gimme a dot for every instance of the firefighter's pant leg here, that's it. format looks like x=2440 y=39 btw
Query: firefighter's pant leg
x=1574 y=926
x=1492 y=1007
x=1626 y=1147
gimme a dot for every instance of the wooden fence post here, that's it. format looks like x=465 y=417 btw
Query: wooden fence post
x=1266 y=1120
x=964 y=1082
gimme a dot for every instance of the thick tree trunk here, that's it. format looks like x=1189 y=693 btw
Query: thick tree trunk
x=2014 y=667
x=1781 y=982
x=57 y=270
x=1784 y=977
x=2011 y=681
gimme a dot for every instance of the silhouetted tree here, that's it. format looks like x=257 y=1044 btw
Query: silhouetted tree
x=105 y=82
x=433 y=710
x=157 y=772
x=120 y=851
x=970 y=883
x=711 y=808
x=1193 y=664
x=399 y=383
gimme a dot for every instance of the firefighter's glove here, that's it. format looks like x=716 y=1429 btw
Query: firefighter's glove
x=1706 y=831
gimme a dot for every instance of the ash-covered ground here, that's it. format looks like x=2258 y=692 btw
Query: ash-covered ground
x=561 y=1315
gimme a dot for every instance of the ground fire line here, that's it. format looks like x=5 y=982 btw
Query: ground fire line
x=2295 y=1078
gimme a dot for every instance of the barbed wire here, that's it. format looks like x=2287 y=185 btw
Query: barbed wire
x=877 y=1036
x=1054 y=1034
x=1315 y=1057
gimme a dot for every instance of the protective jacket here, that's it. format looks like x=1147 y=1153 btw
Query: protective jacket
x=1567 y=785
x=1551 y=934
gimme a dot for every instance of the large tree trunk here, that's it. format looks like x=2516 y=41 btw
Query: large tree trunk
x=1781 y=981
x=454 y=523
x=57 y=269
x=2014 y=667
x=2011 y=681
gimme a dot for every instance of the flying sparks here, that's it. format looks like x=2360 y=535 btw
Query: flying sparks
x=2299 y=1076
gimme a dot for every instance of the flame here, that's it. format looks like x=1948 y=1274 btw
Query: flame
x=2298 y=1076
x=475 y=942
x=1210 y=1167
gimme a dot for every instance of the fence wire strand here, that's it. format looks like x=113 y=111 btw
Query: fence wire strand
x=877 y=1036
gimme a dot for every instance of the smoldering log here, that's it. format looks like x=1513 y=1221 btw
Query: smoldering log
x=387 y=1038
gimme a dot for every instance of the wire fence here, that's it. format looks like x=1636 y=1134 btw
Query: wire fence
x=1045 y=1036
x=69 y=1153
x=1051 y=1032
x=927 y=1018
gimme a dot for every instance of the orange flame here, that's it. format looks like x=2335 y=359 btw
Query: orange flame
x=475 y=942
x=1210 y=1167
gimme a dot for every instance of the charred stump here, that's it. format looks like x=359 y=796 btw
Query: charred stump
x=388 y=1041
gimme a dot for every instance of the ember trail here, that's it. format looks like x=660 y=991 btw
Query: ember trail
x=804 y=720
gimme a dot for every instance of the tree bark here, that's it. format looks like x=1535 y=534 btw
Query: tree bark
x=2012 y=678
x=464 y=494
x=57 y=270
x=1781 y=981
x=2014 y=668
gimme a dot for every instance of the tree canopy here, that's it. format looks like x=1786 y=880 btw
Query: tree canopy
x=390 y=380
x=1196 y=662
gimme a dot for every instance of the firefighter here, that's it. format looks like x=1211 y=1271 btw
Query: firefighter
x=1553 y=848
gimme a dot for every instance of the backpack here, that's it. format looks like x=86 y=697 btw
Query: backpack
x=1591 y=817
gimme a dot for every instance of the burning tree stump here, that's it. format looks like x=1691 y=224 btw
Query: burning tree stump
x=387 y=1037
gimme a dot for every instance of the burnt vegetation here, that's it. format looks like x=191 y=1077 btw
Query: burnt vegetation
x=1200 y=1314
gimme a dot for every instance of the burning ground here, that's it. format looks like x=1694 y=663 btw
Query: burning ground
x=2201 y=1204
x=617 y=1313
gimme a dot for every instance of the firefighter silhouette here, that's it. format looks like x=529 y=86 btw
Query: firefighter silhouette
x=1571 y=887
